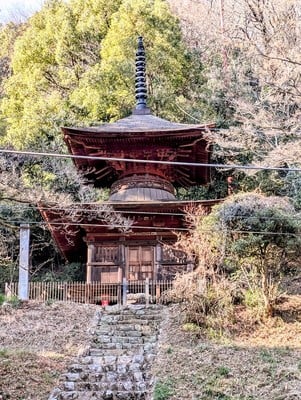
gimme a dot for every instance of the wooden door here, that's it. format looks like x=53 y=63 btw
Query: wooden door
x=140 y=263
x=105 y=274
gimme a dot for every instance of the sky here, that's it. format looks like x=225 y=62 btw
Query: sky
x=18 y=10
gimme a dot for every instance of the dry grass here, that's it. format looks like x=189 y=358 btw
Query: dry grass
x=37 y=341
x=263 y=362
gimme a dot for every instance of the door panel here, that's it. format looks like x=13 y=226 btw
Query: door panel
x=105 y=274
x=140 y=263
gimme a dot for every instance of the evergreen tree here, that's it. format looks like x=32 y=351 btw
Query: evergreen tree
x=75 y=64
x=49 y=60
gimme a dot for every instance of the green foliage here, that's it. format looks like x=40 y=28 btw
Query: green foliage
x=261 y=236
x=74 y=63
x=216 y=189
x=267 y=220
x=170 y=82
x=242 y=248
x=73 y=272
x=2 y=299
x=191 y=327
x=223 y=371
x=253 y=298
x=49 y=60
x=14 y=301
x=163 y=390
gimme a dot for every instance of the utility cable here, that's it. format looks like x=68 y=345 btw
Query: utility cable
x=155 y=228
x=134 y=160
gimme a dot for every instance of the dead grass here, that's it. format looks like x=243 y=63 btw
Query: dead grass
x=37 y=341
x=262 y=363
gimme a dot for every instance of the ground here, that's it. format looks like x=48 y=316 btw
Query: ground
x=262 y=363
x=38 y=340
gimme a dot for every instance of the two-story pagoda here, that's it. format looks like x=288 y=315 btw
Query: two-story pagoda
x=143 y=191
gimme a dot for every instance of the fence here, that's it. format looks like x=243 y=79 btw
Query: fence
x=96 y=292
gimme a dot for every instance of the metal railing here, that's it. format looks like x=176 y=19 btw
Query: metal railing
x=125 y=292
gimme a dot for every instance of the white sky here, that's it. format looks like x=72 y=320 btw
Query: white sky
x=18 y=10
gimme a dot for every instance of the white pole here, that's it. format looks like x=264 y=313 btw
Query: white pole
x=24 y=262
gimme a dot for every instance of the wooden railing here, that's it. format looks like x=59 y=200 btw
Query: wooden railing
x=95 y=293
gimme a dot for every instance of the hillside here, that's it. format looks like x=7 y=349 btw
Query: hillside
x=38 y=341
x=259 y=363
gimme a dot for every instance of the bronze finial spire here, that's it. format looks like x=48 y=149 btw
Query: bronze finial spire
x=140 y=81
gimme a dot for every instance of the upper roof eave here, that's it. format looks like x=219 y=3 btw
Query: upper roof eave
x=137 y=124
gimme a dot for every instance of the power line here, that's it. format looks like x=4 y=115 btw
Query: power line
x=134 y=160
x=154 y=228
x=74 y=208
x=157 y=213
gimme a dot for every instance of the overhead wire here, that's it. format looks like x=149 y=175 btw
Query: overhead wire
x=135 y=160
x=157 y=213
x=176 y=163
x=158 y=228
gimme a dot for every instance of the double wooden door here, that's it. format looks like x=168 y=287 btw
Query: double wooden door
x=140 y=262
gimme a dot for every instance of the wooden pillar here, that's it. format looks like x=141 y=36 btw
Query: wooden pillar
x=90 y=258
x=190 y=264
x=24 y=262
x=157 y=267
x=124 y=291
x=121 y=267
x=158 y=256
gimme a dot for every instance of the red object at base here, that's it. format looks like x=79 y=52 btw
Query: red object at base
x=104 y=302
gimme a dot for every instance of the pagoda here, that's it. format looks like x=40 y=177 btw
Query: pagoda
x=142 y=159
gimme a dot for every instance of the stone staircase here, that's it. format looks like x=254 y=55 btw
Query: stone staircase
x=117 y=364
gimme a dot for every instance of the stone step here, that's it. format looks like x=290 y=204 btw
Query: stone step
x=139 y=316
x=121 y=337
x=131 y=318
x=117 y=364
x=103 y=395
x=106 y=337
x=116 y=352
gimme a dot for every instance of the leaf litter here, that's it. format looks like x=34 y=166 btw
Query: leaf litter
x=37 y=342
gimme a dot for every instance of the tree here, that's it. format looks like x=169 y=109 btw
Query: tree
x=68 y=71
x=240 y=249
x=251 y=52
x=261 y=239
x=8 y=35
x=25 y=188
x=172 y=83
x=49 y=60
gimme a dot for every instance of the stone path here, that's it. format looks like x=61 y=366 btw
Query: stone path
x=118 y=362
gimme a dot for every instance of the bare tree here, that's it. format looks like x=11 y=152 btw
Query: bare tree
x=259 y=96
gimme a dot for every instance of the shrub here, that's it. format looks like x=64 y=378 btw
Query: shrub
x=205 y=302
x=2 y=299
x=162 y=390
x=14 y=301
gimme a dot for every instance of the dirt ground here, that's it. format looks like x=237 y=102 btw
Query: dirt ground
x=262 y=363
x=37 y=341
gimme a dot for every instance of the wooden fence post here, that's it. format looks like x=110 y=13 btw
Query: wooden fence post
x=147 y=291
x=8 y=291
x=124 y=291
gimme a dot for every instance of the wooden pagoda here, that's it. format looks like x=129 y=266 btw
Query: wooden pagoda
x=144 y=192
